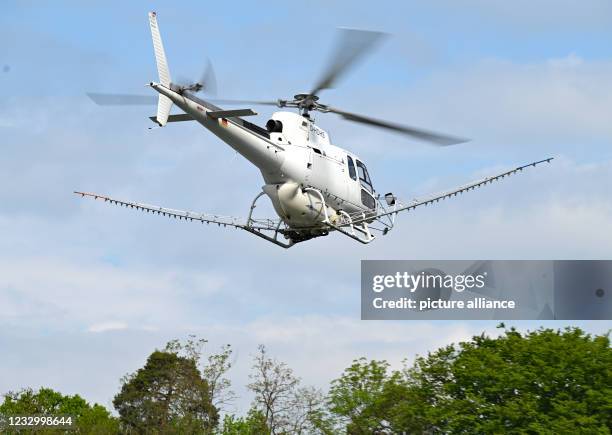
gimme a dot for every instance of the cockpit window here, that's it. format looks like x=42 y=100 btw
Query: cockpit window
x=364 y=177
x=351 y=168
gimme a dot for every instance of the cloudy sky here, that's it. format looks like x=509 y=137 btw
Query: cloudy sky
x=87 y=291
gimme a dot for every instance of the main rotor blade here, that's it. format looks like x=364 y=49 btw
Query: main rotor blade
x=352 y=44
x=122 y=99
x=424 y=135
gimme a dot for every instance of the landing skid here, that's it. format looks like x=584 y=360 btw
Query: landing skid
x=294 y=235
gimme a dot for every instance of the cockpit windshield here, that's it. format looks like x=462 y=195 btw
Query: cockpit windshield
x=364 y=177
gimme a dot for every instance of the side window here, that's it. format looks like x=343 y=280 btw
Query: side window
x=351 y=167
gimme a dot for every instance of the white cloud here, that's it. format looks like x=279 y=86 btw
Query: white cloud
x=107 y=326
x=47 y=291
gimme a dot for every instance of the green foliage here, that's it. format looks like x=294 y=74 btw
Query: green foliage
x=543 y=381
x=367 y=399
x=214 y=371
x=253 y=424
x=167 y=395
x=89 y=419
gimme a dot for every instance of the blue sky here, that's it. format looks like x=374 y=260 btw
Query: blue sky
x=87 y=291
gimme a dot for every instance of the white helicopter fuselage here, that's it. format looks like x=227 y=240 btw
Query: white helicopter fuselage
x=315 y=187
x=306 y=177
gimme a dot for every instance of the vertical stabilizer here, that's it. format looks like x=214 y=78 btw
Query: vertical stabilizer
x=164 y=104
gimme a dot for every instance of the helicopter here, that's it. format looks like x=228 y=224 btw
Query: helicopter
x=315 y=187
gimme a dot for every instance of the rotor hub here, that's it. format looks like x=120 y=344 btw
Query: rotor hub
x=304 y=97
x=306 y=102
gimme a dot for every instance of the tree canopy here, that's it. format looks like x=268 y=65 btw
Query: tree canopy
x=286 y=407
x=253 y=424
x=89 y=419
x=543 y=381
x=167 y=395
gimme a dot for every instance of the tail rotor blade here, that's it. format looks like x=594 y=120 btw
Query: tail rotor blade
x=209 y=79
x=206 y=84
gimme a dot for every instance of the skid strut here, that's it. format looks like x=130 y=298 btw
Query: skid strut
x=249 y=227
x=359 y=232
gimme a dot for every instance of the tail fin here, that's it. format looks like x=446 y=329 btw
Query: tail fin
x=164 y=103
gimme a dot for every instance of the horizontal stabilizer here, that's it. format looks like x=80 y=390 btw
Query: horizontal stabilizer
x=175 y=118
x=230 y=113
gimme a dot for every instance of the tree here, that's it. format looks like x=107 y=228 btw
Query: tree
x=273 y=384
x=287 y=408
x=355 y=396
x=89 y=419
x=543 y=381
x=368 y=398
x=253 y=424
x=308 y=413
x=167 y=395
x=214 y=371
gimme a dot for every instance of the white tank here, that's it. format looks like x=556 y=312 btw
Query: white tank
x=298 y=208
